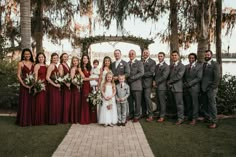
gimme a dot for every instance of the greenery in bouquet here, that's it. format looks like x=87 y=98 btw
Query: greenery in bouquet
x=67 y=78
x=39 y=86
x=94 y=99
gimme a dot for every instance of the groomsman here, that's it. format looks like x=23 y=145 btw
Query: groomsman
x=161 y=74
x=135 y=83
x=209 y=87
x=119 y=67
x=192 y=78
x=149 y=69
x=175 y=85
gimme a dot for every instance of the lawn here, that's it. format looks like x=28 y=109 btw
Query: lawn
x=169 y=140
x=34 y=141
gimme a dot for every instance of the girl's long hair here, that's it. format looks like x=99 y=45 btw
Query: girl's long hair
x=37 y=60
x=105 y=81
x=103 y=64
x=23 y=53
x=88 y=65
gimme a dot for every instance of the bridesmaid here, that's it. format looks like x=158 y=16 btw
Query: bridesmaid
x=87 y=115
x=54 y=92
x=40 y=71
x=25 y=66
x=75 y=92
x=64 y=69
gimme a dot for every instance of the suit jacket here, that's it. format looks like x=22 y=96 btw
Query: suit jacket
x=123 y=92
x=176 y=77
x=122 y=69
x=161 y=75
x=136 y=74
x=193 y=77
x=149 y=70
x=211 y=76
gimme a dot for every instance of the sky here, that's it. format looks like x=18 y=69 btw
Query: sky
x=140 y=29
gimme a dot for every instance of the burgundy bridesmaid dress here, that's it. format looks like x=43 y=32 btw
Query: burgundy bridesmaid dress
x=24 y=113
x=75 y=102
x=54 y=102
x=87 y=115
x=66 y=99
x=40 y=100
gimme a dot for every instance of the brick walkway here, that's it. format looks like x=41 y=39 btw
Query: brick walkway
x=97 y=141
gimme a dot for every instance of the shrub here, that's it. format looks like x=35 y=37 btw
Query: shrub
x=226 y=97
x=9 y=85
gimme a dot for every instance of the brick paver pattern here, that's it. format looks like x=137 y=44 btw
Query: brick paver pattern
x=94 y=140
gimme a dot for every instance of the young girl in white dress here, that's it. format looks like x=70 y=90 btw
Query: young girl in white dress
x=108 y=111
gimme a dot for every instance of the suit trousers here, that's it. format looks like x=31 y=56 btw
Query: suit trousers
x=179 y=103
x=121 y=111
x=209 y=105
x=191 y=104
x=147 y=107
x=161 y=101
x=135 y=99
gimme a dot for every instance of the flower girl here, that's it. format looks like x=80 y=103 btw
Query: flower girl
x=108 y=111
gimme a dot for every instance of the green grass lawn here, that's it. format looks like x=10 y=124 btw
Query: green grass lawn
x=31 y=141
x=169 y=140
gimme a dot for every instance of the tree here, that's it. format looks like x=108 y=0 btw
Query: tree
x=25 y=24
x=218 y=33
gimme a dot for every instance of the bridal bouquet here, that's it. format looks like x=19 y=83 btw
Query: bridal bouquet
x=39 y=86
x=94 y=99
x=78 y=81
x=29 y=80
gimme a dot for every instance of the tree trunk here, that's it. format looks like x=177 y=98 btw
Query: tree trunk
x=38 y=34
x=218 y=33
x=203 y=23
x=25 y=24
x=174 y=38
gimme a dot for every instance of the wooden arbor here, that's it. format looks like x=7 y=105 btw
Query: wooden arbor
x=84 y=43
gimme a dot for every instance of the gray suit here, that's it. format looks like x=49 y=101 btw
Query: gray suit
x=122 y=69
x=161 y=75
x=135 y=83
x=122 y=92
x=175 y=85
x=192 y=79
x=149 y=69
x=209 y=86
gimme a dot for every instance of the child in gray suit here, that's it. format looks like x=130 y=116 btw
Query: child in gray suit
x=122 y=94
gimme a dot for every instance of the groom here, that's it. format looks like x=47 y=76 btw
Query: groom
x=119 y=67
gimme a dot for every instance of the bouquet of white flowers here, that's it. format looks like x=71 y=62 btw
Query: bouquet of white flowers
x=94 y=99
x=77 y=81
x=39 y=86
x=58 y=79
x=67 y=80
x=29 y=80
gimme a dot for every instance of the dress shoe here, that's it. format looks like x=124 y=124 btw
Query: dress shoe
x=149 y=119
x=119 y=124
x=160 y=120
x=212 y=126
x=123 y=124
x=193 y=122
x=179 y=122
x=111 y=125
x=135 y=120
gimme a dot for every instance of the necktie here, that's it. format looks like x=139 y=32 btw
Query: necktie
x=121 y=86
x=190 y=66
x=172 y=66
x=158 y=65
x=130 y=63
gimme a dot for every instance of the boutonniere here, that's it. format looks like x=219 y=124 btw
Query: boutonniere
x=121 y=64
